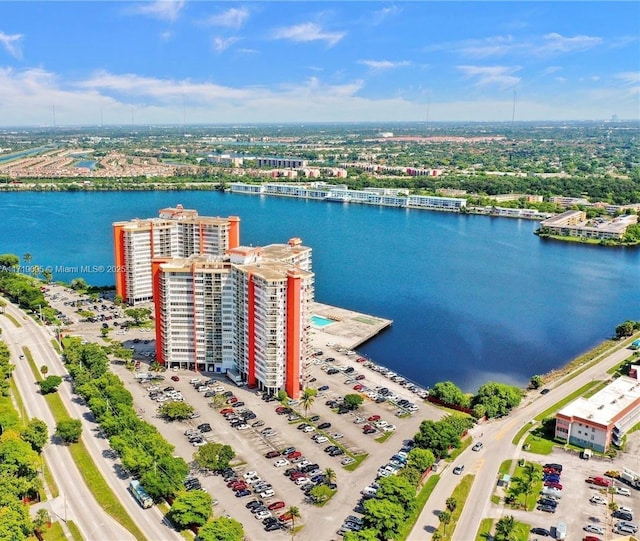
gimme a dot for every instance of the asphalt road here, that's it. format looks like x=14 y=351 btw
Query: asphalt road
x=497 y=437
x=78 y=502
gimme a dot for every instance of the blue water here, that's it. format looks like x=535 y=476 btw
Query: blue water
x=90 y=164
x=24 y=153
x=320 y=321
x=472 y=298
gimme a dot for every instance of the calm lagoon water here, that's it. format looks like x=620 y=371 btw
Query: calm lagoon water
x=472 y=298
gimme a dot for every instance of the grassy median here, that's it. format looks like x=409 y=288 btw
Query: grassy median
x=460 y=494
x=89 y=471
x=421 y=500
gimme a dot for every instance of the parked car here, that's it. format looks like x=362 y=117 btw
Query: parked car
x=324 y=426
x=272 y=454
x=276 y=505
x=598 y=481
x=175 y=378
x=541 y=532
x=547 y=508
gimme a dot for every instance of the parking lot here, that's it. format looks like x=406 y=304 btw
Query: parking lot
x=583 y=504
x=251 y=444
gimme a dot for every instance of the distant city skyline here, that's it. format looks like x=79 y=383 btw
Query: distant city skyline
x=178 y=62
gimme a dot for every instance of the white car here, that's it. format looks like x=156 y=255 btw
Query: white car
x=263 y=515
x=337 y=435
x=347 y=460
x=304 y=462
x=309 y=428
x=301 y=481
x=591 y=528
x=267 y=493
x=281 y=462
x=199 y=443
x=242 y=427
x=389 y=428
x=599 y=500
x=250 y=474
x=321 y=439
x=254 y=480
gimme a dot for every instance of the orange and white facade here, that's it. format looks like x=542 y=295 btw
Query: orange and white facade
x=177 y=232
x=249 y=313
x=602 y=419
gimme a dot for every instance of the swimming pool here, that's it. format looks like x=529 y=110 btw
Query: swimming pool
x=319 y=321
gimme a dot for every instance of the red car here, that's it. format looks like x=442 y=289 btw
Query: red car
x=591 y=538
x=232 y=400
x=175 y=378
x=276 y=505
x=226 y=410
x=553 y=484
x=295 y=454
x=360 y=377
x=280 y=410
x=367 y=427
x=240 y=485
x=285 y=516
x=358 y=387
x=374 y=418
x=296 y=475
x=361 y=360
x=599 y=481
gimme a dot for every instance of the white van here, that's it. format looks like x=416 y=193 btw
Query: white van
x=623 y=491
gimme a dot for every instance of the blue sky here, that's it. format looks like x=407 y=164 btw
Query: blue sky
x=208 y=62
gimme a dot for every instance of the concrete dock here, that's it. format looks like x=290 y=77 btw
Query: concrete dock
x=347 y=328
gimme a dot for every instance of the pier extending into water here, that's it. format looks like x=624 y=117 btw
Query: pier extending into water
x=343 y=327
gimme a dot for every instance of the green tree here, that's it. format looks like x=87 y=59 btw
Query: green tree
x=438 y=437
x=221 y=529
x=445 y=518
x=437 y=536
x=50 y=384
x=15 y=523
x=396 y=489
x=41 y=519
x=294 y=513
x=368 y=534
x=420 y=459
x=44 y=369
x=214 y=456
x=163 y=473
x=193 y=507
x=27 y=258
x=139 y=315
x=384 y=516
x=451 y=504
x=79 y=284
x=320 y=493
x=450 y=393
x=506 y=529
x=47 y=274
x=36 y=434
x=497 y=398
x=307 y=398
x=8 y=262
x=175 y=411
x=69 y=431
x=329 y=475
x=353 y=401
x=625 y=329
x=536 y=382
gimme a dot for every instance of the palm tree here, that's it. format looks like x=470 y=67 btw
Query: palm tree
x=329 y=475
x=451 y=504
x=294 y=513
x=307 y=399
x=444 y=517
x=27 y=258
x=436 y=536
x=505 y=528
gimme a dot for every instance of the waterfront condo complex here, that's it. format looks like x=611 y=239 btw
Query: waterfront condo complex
x=243 y=311
x=176 y=232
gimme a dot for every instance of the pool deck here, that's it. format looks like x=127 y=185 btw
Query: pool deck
x=350 y=329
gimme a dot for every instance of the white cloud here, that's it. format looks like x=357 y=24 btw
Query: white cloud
x=491 y=75
x=222 y=44
x=556 y=44
x=380 y=65
x=11 y=43
x=551 y=69
x=380 y=15
x=551 y=44
x=166 y=36
x=232 y=18
x=166 y=10
x=28 y=95
x=306 y=32
x=629 y=77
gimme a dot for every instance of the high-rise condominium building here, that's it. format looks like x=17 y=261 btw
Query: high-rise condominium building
x=176 y=232
x=248 y=314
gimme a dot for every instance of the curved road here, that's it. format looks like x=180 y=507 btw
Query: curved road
x=78 y=504
x=497 y=437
